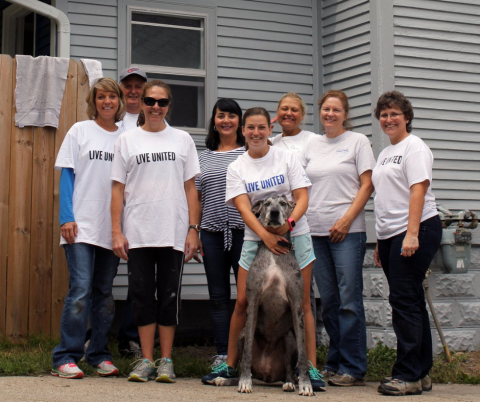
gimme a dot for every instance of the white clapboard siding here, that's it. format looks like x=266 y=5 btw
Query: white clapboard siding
x=265 y=50
x=345 y=42
x=94 y=32
x=437 y=66
x=194 y=283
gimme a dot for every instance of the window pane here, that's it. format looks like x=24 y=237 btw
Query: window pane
x=169 y=47
x=188 y=99
x=167 y=20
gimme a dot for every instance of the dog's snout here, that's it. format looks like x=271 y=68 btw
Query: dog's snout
x=274 y=213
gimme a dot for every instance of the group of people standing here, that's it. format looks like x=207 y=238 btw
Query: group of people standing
x=136 y=189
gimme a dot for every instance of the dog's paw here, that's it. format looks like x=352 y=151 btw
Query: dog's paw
x=245 y=386
x=305 y=389
x=288 y=387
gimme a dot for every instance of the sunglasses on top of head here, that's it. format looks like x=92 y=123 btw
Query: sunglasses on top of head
x=149 y=101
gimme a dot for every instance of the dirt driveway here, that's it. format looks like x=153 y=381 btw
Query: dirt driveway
x=50 y=389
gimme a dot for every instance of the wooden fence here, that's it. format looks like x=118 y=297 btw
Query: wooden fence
x=33 y=269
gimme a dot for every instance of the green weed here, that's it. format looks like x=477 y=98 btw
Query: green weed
x=34 y=357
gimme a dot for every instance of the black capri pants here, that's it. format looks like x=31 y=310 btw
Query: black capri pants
x=144 y=281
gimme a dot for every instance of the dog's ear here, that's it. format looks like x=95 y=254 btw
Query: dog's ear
x=292 y=204
x=257 y=208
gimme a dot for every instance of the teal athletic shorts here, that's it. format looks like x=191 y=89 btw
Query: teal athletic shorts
x=303 y=251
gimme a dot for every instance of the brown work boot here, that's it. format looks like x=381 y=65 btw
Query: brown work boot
x=426 y=383
x=327 y=374
x=345 y=380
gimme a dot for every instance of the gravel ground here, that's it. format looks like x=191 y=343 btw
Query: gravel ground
x=51 y=389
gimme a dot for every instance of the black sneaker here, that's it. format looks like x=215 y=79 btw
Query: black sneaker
x=316 y=378
x=222 y=374
x=132 y=350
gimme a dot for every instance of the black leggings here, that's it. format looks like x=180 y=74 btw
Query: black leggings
x=143 y=284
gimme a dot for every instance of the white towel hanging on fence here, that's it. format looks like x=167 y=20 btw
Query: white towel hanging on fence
x=39 y=91
x=93 y=69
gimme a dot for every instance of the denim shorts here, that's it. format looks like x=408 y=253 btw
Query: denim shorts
x=303 y=251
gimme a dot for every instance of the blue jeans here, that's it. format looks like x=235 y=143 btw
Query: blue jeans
x=218 y=264
x=338 y=274
x=92 y=270
x=410 y=320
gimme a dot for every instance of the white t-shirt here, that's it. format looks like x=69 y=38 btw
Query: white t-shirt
x=88 y=150
x=277 y=173
x=154 y=168
x=295 y=143
x=399 y=167
x=334 y=166
x=129 y=121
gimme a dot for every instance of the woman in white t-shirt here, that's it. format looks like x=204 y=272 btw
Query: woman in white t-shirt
x=154 y=172
x=259 y=173
x=291 y=111
x=85 y=159
x=340 y=164
x=408 y=236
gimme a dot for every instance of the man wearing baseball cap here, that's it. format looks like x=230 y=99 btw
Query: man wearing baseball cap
x=132 y=81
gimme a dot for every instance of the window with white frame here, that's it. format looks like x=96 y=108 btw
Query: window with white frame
x=171 y=47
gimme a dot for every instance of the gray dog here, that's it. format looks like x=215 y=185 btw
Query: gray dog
x=273 y=338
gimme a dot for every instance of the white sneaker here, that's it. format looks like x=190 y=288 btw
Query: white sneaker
x=165 y=371
x=106 y=369
x=69 y=370
x=143 y=371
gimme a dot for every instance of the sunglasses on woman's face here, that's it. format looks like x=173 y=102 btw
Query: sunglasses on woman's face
x=151 y=101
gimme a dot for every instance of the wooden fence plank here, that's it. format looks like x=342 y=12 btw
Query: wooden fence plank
x=6 y=89
x=68 y=116
x=42 y=221
x=82 y=93
x=19 y=230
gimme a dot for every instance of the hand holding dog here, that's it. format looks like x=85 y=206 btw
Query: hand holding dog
x=271 y=241
x=281 y=230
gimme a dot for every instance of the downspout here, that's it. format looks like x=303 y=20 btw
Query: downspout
x=63 y=24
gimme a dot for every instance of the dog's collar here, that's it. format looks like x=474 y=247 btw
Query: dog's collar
x=290 y=245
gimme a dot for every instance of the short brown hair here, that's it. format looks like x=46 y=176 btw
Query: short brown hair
x=110 y=85
x=256 y=111
x=151 y=84
x=395 y=99
x=342 y=96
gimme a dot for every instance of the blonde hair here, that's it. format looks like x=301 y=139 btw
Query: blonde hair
x=109 y=85
x=342 y=97
x=295 y=96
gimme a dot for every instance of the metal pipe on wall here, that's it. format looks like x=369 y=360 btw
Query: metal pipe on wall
x=60 y=19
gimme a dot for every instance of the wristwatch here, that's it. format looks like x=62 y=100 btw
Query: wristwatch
x=291 y=223
x=196 y=227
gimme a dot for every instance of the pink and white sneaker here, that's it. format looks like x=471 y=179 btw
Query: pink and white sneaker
x=106 y=369
x=69 y=370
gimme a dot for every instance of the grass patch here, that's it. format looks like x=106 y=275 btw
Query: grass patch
x=444 y=372
x=35 y=355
